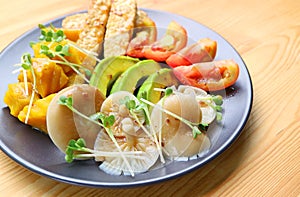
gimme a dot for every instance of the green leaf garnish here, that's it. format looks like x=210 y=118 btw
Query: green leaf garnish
x=41 y=26
x=130 y=104
x=106 y=122
x=218 y=99
x=219 y=116
x=168 y=92
x=68 y=101
x=203 y=127
x=58 y=48
x=65 y=50
x=196 y=131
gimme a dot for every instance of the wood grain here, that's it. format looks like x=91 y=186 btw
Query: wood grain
x=264 y=161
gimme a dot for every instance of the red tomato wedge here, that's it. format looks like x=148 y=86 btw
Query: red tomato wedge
x=202 y=51
x=209 y=76
x=172 y=41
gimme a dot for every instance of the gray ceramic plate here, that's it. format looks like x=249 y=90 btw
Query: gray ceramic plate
x=36 y=152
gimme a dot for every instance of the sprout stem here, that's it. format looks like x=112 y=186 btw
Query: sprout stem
x=108 y=131
x=192 y=125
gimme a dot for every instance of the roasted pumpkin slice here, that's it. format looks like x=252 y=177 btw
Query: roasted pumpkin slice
x=50 y=78
x=37 y=114
x=76 y=56
x=16 y=97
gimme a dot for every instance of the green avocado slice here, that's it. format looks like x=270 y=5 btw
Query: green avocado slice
x=161 y=79
x=128 y=80
x=108 y=70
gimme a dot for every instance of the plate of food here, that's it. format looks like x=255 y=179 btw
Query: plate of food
x=121 y=96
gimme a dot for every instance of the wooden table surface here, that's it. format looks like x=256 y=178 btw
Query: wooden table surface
x=264 y=160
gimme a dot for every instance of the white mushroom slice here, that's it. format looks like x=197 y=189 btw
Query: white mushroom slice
x=114 y=105
x=208 y=113
x=64 y=125
x=176 y=136
x=190 y=89
x=146 y=156
x=60 y=122
x=87 y=100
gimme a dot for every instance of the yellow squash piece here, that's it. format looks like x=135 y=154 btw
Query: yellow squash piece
x=50 y=78
x=16 y=98
x=38 y=112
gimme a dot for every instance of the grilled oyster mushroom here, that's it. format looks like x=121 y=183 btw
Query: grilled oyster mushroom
x=208 y=113
x=64 y=125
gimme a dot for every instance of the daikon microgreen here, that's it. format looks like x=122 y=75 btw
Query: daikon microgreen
x=134 y=110
x=53 y=37
x=106 y=123
x=218 y=100
x=194 y=126
x=86 y=153
x=26 y=64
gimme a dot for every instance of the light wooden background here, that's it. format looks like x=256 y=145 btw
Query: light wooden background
x=264 y=161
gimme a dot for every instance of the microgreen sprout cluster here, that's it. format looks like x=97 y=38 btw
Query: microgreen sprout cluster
x=26 y=64
x=97 y=118
x=135 y=109
x=75 y=145
x=218 y=101
x=100 y=119
x=107 y=121
x=77 y=149
x=51 y=37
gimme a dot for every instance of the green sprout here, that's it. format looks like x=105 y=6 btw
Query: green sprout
x=105 y=121
x=137 y=108
x=168 y=91
x=77 y=149
x=51 y=36
x=194 y=126
x=26 y=62
x=218 y=100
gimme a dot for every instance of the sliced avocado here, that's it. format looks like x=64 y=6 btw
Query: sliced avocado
x=161 y=79
x=128 y=80
x=108 y=70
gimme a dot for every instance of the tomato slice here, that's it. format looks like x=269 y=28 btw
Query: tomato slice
x=173 y=40
x=209 y=76
x=145 y=35
x=137 y=44
x=202 y=51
